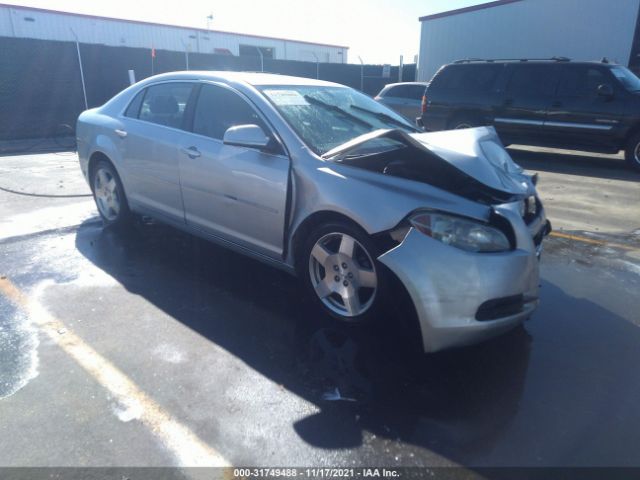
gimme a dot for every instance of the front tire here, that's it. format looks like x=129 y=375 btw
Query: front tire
x=632 y=152
x=341 y=272
x=109 y=195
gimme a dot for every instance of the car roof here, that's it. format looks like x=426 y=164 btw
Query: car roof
x=533 y=62
x=404 y=83
x=251 y=78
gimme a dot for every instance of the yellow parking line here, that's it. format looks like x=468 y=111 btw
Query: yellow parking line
x=188 y=448
x=592 y=241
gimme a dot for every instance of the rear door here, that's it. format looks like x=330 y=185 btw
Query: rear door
x=528 y=95
x=581 y=117
x=149 y=144
x=235 y=193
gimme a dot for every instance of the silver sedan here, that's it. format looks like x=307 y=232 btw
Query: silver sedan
x=320 y=180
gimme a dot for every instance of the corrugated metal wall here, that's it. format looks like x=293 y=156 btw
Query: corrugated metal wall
x=29 y=23
x=578 y=29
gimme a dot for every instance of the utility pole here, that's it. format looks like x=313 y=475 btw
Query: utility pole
x=84 y=89
x=361 y=74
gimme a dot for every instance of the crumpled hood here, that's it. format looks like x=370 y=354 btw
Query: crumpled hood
x=476 y=152
x=480 y=154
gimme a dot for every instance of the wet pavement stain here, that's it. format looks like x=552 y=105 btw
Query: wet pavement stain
x=18 y=350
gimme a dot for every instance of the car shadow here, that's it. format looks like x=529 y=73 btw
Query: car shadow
x=464 y=404
x=574 y=163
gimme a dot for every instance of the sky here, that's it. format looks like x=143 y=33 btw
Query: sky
x=379 y=31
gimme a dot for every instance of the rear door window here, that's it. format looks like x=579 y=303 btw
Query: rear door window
x=532 y=81
x=410 y=92
x=165 y=103
x=416 y=92
x=395 y=92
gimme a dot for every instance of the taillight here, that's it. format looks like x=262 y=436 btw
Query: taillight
x=424 y=104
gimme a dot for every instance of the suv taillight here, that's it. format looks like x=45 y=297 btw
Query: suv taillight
x=423 y=107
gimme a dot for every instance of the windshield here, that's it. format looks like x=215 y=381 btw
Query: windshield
x=628 y=79
x=326 y=117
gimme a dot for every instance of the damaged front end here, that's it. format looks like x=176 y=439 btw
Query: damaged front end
x=471 y=163
x=469 y=278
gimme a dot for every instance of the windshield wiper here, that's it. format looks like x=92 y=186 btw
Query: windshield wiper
x=384 y=117
x=335 y=108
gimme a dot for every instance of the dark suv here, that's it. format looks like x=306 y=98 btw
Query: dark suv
x=593 y=106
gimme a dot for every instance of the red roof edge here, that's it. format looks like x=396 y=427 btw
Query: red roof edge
x=141 y=22
x=472 y=8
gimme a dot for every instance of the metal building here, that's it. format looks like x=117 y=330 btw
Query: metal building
x=26 y=22
x=577 y=29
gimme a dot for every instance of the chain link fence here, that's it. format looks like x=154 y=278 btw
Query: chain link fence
x=41 y=90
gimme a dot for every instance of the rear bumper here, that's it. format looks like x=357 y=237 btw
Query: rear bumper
x=451 y=288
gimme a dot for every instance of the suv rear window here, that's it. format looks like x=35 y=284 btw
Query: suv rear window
x=466 y=78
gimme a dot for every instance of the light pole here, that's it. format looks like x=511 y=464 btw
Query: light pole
x=261 y=59
x=209 y=19
x=361 y=74
x=186 y=53
x=317 y=65
x=84 y=89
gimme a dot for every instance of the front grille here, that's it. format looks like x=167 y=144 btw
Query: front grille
x=500 y=307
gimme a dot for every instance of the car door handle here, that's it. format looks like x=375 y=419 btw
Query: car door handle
x=557 y=103
x=192 y=152
x=508 y=102
x=120 y=133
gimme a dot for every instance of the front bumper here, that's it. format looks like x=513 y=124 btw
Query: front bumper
x=449 y=286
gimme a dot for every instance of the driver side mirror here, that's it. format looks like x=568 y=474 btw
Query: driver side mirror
x=250 y=136
x=605 y=90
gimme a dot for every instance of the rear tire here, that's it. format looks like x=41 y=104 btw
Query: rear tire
x=632 y=152
x=461 y=123
x=109 y=195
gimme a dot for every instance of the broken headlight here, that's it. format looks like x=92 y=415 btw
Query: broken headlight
x=461 y=233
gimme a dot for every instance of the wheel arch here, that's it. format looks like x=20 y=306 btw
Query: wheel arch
x=94 y=158
x=461 y=114
x=313 y=221
x=407 y=315
x=632 y=132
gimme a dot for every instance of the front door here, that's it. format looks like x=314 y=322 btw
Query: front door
x=236 y=193
x=579 y=116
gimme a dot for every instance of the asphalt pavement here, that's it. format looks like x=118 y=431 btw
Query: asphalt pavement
x=154 y=348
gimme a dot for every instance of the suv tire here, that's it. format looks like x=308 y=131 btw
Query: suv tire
x=632 y=152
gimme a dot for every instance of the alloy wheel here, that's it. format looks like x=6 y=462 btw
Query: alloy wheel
x=343 y=274
x=636 y=153
x=105 y=189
